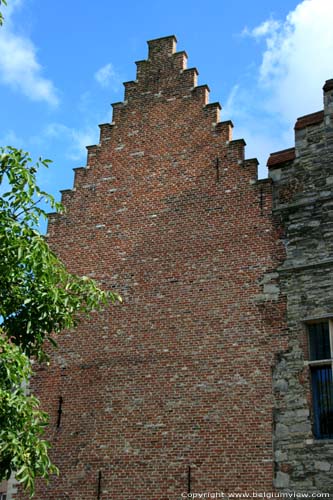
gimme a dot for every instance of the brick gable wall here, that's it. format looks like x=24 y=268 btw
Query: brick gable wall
x=179 y=378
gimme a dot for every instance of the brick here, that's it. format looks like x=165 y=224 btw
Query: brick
x=169 y=212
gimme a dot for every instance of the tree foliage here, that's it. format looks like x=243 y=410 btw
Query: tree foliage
x=38 y=299
x=21 y=422
x=1 y=15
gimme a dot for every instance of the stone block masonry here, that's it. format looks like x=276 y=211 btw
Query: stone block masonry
x=173 y=390
x=303 y=205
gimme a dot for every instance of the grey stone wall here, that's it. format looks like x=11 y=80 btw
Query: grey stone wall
x=303 y=206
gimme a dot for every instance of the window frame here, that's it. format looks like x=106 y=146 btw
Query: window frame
x=317 y=363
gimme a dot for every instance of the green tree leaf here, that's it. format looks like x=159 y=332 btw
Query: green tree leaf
x=38 y=299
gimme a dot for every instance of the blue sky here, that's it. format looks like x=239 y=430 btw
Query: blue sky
x=63 y=62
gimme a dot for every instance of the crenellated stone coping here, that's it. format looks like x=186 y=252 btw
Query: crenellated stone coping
x=52 y=218
x=105 y=132
x=236 y=148
x=159 y=48
x=251 y=164
x=92 y=154
x=225 y=130
x=130 y=89
x=117 y=108
x=180 y=60
x=201 y=94
x=328 y=85
x=278 y=158
x=328 y=99
x=213 y=110
x=66 y=195
x=141 y=67
x=163 y=65
x=185 y=76
x=118 y=105
x=308 y=120
x=190 y=76
x=79 y=174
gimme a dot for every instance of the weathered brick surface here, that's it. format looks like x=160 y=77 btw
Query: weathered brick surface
x=170 y=213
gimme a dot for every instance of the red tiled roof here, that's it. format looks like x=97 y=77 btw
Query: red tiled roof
x=281 y=157
x=312 y=119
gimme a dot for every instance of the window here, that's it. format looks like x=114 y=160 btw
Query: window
x=321 y=365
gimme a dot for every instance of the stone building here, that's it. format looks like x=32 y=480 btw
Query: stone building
x=215 y=375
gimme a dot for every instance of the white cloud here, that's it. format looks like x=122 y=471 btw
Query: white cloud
x=75 y=140
x=295 y=62
x=298 y=58
x=106 y=76
x=265 y=28
x=19 y=66
x=262 y=134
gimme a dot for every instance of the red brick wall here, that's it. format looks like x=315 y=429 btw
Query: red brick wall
x=180 y=374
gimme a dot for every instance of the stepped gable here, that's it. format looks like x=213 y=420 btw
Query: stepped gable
x=164 y=77
x=163 y=82
x=172 y=391
x=168 y=212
